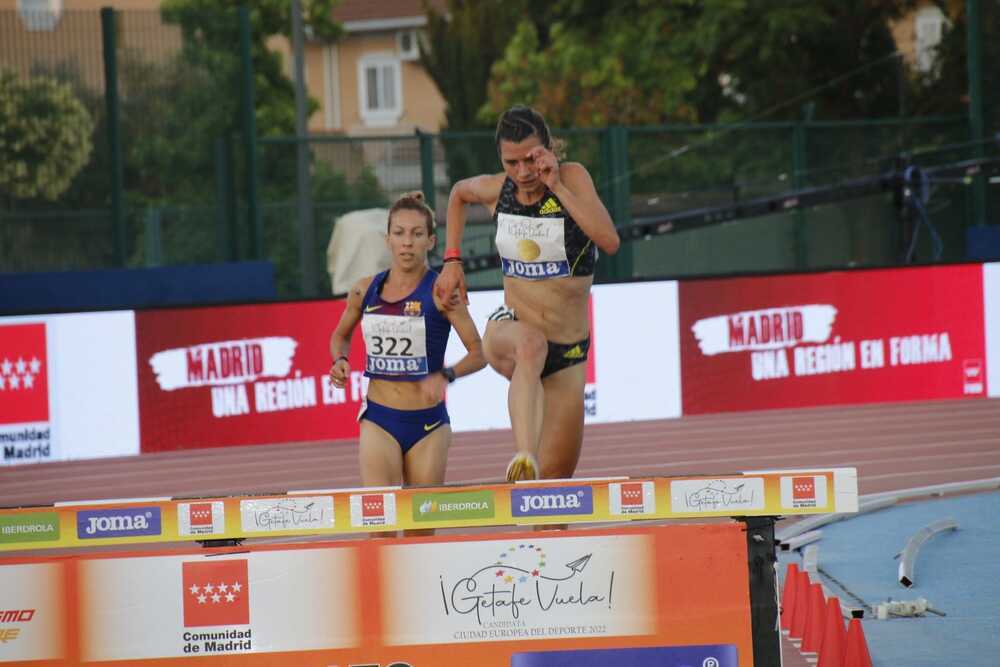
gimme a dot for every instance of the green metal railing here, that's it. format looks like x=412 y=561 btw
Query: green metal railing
x=176 y=184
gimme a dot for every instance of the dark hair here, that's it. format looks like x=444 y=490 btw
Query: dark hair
x=520 y=122
x=413 y=201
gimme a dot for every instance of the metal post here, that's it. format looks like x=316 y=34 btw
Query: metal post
x=307 y=227
x=761 y=561
x=111 y=103
x=254 y=222
x=621 y=187
x=427 y=166
x=227 y=245
x=799 y=182
x=973 y=34
x=154 y=238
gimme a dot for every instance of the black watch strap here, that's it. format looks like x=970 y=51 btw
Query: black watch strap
x=449 y=373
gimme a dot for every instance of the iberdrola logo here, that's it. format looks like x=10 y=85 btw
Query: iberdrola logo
x=458 y=505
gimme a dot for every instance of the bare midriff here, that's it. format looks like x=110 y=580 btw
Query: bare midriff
x=558 y=307
x=401 y=394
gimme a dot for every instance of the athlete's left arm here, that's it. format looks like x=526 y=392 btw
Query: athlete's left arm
x=474 y=358
x=576 y=191
x=435 y=384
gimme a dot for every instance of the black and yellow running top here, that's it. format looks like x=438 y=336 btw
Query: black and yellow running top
x=541 y=240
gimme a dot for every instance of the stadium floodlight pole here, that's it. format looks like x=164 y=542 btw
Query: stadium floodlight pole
x=307 y=232
x=973 y=34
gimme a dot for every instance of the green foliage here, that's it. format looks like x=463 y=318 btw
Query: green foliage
x=630 y=74
x=835 y=55
x=635 y=62
x=44 y=136
x=945 y=89
x=458 y=52
x=332 y=186
x=708 y=66
x=211 y=42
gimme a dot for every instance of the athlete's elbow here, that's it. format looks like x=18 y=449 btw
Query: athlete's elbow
x=611 y=244
x=477 y=358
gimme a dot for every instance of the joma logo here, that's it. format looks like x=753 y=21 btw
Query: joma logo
x=554 y=502
x=566 y=500
x=118 y=523
x=106 y=524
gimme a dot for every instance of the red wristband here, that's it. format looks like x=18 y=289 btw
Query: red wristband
x=452 y=253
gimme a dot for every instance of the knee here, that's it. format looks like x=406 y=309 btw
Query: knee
x=557 y=469
x=531 y=350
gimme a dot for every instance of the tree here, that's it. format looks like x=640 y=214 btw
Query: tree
x=630 y=73
x=945 y=89
x=211 y=34
x=44 y=136
x=641 y=61
x=458 y=53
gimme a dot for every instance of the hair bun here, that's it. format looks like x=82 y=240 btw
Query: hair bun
x=415 y=194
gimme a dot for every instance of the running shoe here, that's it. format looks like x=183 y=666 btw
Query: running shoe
x=522 y=466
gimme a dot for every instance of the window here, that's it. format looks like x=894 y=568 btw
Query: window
x=379 y=90
x=406 y=45
x=930 y=25
x=39 y=14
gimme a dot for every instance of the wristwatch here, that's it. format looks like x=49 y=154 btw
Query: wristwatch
x=448 y=373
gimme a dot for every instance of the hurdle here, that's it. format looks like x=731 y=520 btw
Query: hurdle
x=283 y=578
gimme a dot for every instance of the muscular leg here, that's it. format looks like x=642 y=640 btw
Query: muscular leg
x=562 y=429
x=381 y=461
x=380 y=457
x=425 y=463
x=517 y=352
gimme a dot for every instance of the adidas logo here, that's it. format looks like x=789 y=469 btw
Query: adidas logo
x=550 y=206
x=573 y=353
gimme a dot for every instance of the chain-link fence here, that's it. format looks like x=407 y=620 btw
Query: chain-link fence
x=182 y=177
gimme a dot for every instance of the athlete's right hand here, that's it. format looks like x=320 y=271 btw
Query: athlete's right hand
x=451 y=278
x=339 y=372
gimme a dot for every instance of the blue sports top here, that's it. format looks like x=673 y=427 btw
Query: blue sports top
x=404 y=340
x=541 y=240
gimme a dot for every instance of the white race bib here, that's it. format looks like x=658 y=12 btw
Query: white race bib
x=395 y=344
x=531 y=248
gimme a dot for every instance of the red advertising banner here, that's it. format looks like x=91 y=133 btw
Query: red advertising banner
x=662 y=595
x=24 y=391
x=832 y=338
x=242 y=375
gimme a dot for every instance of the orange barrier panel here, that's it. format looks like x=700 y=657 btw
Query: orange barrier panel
x=635 y=595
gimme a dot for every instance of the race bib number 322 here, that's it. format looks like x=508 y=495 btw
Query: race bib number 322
x=395 y=345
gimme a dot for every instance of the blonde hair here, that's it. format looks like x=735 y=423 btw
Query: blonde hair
x=414 y=201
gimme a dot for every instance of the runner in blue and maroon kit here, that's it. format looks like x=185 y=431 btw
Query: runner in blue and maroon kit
x=405 y=428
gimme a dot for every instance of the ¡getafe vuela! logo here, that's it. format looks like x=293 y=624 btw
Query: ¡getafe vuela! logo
x=523 y=580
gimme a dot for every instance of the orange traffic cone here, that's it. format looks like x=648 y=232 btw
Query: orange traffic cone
x=812 y=640
x=856 y=654
x=788 y=596
x=801 y=612
x=834 y=635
